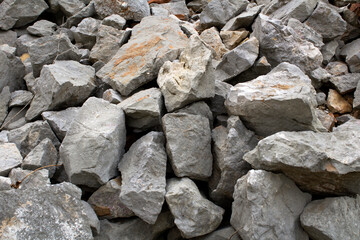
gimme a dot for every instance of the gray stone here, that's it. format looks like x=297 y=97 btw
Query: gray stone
x=190 y=79
x=135 y=228
x=350 y=48
x=345 y=83
x=212 y=38
x=34 y=179
x=218 y=12
x=354 y=62
x=144 y=109
x=198 y=108
x=237 y=60
x=47 y=49
x=42 y=28
x=188 y=145
x=260 y=67
x=327 y=119
x=106 y=202
x=20 y=98
x=326 y=21
x=74 y=20
x=94 y=143
x=317 y=162
x=174 y=234
x=268 y=206
x=12 y=71
x=319 y=76
x=5 y=97
x=8 y=37
x=337 y=68
x=108 y=42
x=30 y=135
x=328 y=51
x=143 y=170
x=46 y=212
x=298 y=9
x=60 y=121
x=318 y=218
x=356 y=103
x=18 y=13
x=15 y=118
x=306 y=33
x=272 y=5
x=9 y=50
x=5 y=183
x=194 y=214
x=153 y=41
x=4 y=136
x=244 y=20
x=282 y=100
x=10 y=158
x=92 y=218
x=23 y=43
x=225 y=233
x=112 y=96
x=320 y=98
x=232 y=39
x=217 y=105
x=86 y=32
x=43 y=154
x=68 y=7
x=159 y=11
x=115 y=21
x=351 y=125
x=62 y=84
x=128 y=9
x=344 y=118
x=197 y=5
x=177 y=8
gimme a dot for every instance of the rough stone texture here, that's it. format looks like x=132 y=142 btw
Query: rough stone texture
x=43 y=154
x=279 y=43
x=60 y=122
x=46 y=212
x=47 y=49
x=12 y=71
x=135 y=228
x=20 y=98
x=268 y=206
x=93 y=219
x=10 y=158
x=42 y=28
x=108 y=42
x=18 y=13
x=4 y=136
x=177 y=8
x=237 y=60
x=194 y=215
x=282 y=100
x=112 y=96
x=154 y=41
x=88 y=11
x=23 y=42
x=143 y=170
x=337 y=104
x=190 y=79
x=30 y=135
x=328 y=51
x=217 y=105
x=230 y=145
x=212 y=38
x=5 y=97
x=35 y=180
x=8 y=37
x=15 y=118
x=326 y=21
x=94 y=143
x=232 y=39
x=128 y=9
x=5 y=183
x=188 y=144
x=353 y=62
x=106 y=202
x=317 y=162
x=356 y=103
x=327 y=119
x=86 y=32
x=68 y=7
x=198 y=108
x=115 y=21
x=260 y=67
x=345 y=83
x=244 y=20
x=306 y=33
x=319 y=76
x=298 y=9
x=218 y=12
x=225 y=233
x=143 y=109
x=318 y=218
x=337 y=68
x=62 y=84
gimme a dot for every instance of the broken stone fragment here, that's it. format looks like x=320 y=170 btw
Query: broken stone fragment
x=198 y=108
x=212 y=38
x=297 y=9
x=232 y=39
x=34 y=180
x=8 y=37
x=225 y=233
x=42 y=28
x=356 y=103
x=244 y=20
x=177 y=8
x=5 y=97
x=67 y=7
x=337 y=104
x=12 y=72
x=217 y=102
x=10 y=158
x=129 y=9
x=306 y=33
x=112 y=96
x=20 y=98
x=346 y=83
x=86 y=32
x=337 y=68
x=115 y=21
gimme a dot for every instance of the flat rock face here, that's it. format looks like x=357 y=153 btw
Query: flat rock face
x=298 y=9
x=18 y=13
x=346 y=83
x=279 y=43
x=243 y=20
x=188 y=144
x=46 y=212
x=64 y=83
x=194 y=215
x=86 y=31
x=42 y=28
x=225 y=233
x=212 y=38
x=306 y=33
x=94 y=144
x=5 y=97
x=191 y=79
x=356 y=103
x=282 y=100
x=143 y=170
x=268 y=206
x=12 y=72
x=317 y=218
x=154 y=41
x=128 y=9
x=10 y=158
x=20 y=98
x=317 y=162
x=336 y=103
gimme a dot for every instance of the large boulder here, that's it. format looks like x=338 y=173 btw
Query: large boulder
x=190 y=79
x=154 y=41
x=268 y=206
x=94 y=144
x=128 y=9
x=143 y=170
x=282 y=100
x=62 y=84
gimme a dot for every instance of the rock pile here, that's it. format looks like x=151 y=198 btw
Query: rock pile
x=179 y=119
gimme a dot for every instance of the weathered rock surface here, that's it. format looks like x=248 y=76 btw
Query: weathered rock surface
x=217 y=102
x=317 y=162
x=336 y=103
x=337 y=68
x=86 y=32
x=212 y=38
x=230 y=145
x=20 y=98
x=88 y=11
x=8 y=37
x=346 y=83
x=194 y=215
x=42 y=28
x=68 y=7
x=198 y=108
x=189 y=80
x=12 y=71
x=35 y=180
x=5 y=183
x=10 y=158
x=329 y=50
x=298 y=9
x=232 y=39
x=188 y=144
x=115 y=21
x=143 y=109
x=106 y=202
x=225 y=233
x=260 y=67
x=62 y=84
x=15 y=118
x=139 y=61
x=272 y=103
x=46 y=212
x=243 y=20
x=128 y=9
x=306 y=33
x=94 y=143
x=143 y=170
x=5 y=97
x=177 y=8
x=356 y=103
x=268 y=206
x=318 y=218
